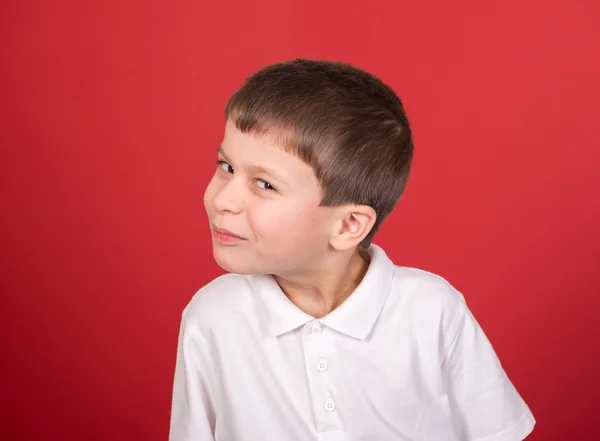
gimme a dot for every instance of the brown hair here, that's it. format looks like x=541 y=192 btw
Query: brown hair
x=345 y=123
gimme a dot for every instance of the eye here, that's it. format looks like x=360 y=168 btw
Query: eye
x=264 y=184
x=226 y=166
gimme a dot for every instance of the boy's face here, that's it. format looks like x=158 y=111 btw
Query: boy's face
x=269 y=198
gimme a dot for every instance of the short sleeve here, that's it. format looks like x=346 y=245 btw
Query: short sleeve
x=485 y=404
x=192 y=413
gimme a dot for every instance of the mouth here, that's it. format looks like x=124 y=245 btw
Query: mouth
x=224 y=236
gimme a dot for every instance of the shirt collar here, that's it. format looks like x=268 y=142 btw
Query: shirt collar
x=355 y=317
x=280 y=314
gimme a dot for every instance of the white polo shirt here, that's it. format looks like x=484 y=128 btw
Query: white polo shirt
x=401 y=359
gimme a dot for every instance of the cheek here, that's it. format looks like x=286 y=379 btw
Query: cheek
x=289 y=223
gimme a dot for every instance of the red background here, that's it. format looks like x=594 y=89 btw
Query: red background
x=111 y=114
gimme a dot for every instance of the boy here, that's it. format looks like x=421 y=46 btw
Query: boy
x=315 y=334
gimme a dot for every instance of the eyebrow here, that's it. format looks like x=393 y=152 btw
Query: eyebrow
x=256 y=168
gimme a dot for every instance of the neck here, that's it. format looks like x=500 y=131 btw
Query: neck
x=319 y=291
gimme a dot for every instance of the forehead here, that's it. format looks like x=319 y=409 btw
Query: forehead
x=250 y=150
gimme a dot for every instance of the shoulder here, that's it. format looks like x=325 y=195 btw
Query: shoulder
x=218 y=301
x=429 y=305
x=427 y=285
x=427 y=294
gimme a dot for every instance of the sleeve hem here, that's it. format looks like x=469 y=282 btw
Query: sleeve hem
x=518 y=432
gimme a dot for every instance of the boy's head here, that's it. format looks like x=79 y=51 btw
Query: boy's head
x=315 y=156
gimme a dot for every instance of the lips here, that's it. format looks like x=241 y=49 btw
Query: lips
x=226 y=232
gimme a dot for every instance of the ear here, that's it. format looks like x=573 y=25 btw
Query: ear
x=353 y=225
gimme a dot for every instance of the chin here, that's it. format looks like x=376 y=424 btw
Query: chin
x=227 y=259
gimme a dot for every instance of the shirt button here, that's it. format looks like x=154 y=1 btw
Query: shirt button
x=329 y=405
x=322 y=365
x=316 y=329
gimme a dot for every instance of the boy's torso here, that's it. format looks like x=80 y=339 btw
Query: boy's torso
x=371 y=370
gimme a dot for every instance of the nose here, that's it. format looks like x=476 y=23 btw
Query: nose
x=229 y=198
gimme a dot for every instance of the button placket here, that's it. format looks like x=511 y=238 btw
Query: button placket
x=317 y=342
